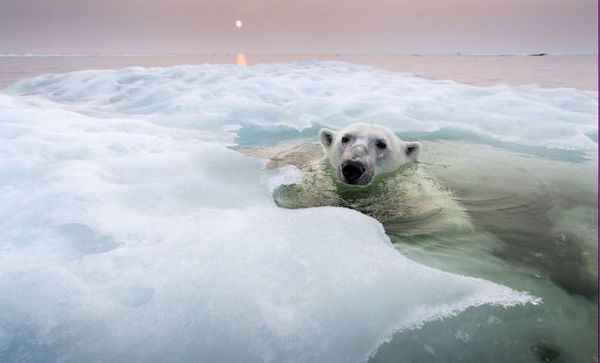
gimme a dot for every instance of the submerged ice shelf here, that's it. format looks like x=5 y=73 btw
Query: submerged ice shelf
x=128 y=227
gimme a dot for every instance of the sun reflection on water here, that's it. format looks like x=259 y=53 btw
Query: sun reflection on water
x=240 y=59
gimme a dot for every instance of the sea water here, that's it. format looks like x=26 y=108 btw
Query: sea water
x=130 y=230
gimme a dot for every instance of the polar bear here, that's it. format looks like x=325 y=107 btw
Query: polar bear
x=366 y=167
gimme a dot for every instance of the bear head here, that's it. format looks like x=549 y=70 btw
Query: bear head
x=360 y=152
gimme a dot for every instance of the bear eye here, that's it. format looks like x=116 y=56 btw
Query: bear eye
x=381 y=145
x=345 y=139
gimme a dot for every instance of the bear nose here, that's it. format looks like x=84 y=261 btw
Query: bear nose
x=358 y=151
x=352 y=171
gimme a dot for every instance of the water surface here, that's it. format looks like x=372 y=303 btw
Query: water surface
x=535 y=226
x=548 y=71
x=130 y=229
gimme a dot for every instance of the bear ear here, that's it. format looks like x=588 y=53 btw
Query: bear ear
x=326 y=136
x=412 y=149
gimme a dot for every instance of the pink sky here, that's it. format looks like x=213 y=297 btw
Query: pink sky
x=301 y=26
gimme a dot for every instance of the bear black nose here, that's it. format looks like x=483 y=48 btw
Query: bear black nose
x=352 y=171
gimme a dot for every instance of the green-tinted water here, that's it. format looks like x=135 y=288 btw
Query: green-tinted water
x=533 y=225
x=536 y=221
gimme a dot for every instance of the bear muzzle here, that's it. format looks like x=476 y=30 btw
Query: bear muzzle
x=354 y=172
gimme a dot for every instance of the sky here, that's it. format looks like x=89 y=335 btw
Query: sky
x=299 y=26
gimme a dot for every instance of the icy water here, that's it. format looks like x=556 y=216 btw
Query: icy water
x=548 y=71
x=537 y=231
x=534 y=229
x=132 y=230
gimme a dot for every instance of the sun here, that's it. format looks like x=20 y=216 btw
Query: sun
x=238 y=23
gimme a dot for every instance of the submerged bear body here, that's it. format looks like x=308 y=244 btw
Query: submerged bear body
x=368 y=168
x=407 y=201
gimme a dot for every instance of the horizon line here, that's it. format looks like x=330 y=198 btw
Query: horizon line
x=336 y=54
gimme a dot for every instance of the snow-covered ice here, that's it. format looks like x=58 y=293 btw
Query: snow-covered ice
x=130 y=231
x=329 y=93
